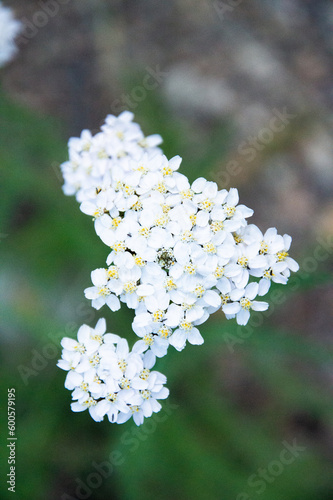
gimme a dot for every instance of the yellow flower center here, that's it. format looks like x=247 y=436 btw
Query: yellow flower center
x=130 y=286
x=98 y=212
x=187 y=236
x=112 y=397
x=224 y=298
x=119 y=186
x=113 y=272
x=193 y=219
x=119 y=247
x=139 y=261
x=144 y=374
x=216 y=226
x=148 y=339
x=209 y=248
x=238 y=239
x=164 y=332
x=144 y=231
x=89 y=402
x=199 y=291
x=102 y=154
x=263 y=248
x=219 y=272
x=158 y=315
x=269 y=274
x=104 y=291
x=128 y=190
x=189 y=269
x=230 y=211
x=125 y=383
x=166 y=208
x=186 y=325
x=187 y=194
x=98 y=338
x=245 y=303
x=170 y=284
x=80 y=348
x=162 y=221
x=282 y=256
x=142 y=169
x=242 y=261
x=94 y=360
x=122 y=364
x=145 y=394
x=167 y=171
x=206 y=205
x=116 y=221
x=137 y=206
x=161 y=187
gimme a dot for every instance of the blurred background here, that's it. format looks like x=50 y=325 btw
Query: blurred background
x=243 y=92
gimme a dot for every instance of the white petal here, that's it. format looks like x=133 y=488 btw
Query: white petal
x=202 y=218
x=232 y=308
x=199 y=185
x=178 y=339
x=144 y=290
x=77 y=407
x=259 y=306
x=264 y=286
x=194 y=337
x=99 y=277
x=68 y=343
x=73 y=379
x=251 y=291
x=212 y=298
x=113 y=302
x=243 y=317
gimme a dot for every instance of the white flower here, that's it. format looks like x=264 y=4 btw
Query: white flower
x=113 y=403
x=247 y=258
x=149 y=397
x=100 y=209
x=241 y=303
x=9 y=29
x=178 y=253
x=185 y=332
x=157 y=345
x=109 y=379
x=101 y=293
x=283 y=256
x=85 y=403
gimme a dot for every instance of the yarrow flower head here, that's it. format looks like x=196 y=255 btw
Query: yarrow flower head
x=9 y=29
x=109 y=380
x=177 y=252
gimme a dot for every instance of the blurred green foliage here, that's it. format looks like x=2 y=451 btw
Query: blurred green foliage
x=214 y=432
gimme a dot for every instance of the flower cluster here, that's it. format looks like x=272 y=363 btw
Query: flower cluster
x=9 y=29
x=108 y=379
x=179 y=251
